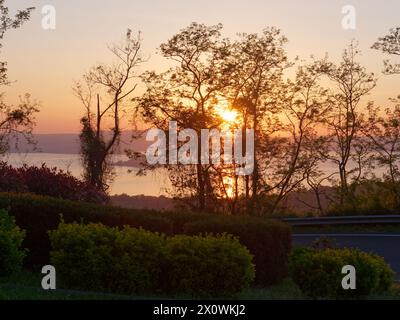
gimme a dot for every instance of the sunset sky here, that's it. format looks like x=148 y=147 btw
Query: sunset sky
x=45 y=63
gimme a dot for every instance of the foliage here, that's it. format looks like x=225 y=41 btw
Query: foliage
x=268 y=241
x=95 y=257
x=318 y=272
x=11 y=237
x=390 y=44
x=47 y=181
x=208 y=266
x=39 y=214
x=324 y=243
x=135 y=261
x=16 y=121
x=111 y=85
x=371 y=197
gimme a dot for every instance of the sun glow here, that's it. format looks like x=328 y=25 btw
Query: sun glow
x=229 y=187
x=228 y=115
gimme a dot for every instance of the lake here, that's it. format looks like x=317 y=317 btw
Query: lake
x=126 y=180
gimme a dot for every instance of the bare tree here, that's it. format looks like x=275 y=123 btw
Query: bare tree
x=303 y=107
x=107 y=87
x=352 y=83
x=383 y=133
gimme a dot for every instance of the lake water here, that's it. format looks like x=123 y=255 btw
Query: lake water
x=126 y=180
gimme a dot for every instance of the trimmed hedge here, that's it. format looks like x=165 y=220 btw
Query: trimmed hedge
x=318 y=272
x=269 y=242
x=135 y=261
x=208 y=266
x=96 y=257
x=11 y=237
x=39 y=214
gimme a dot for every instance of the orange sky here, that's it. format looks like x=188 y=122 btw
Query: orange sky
x=45 y=63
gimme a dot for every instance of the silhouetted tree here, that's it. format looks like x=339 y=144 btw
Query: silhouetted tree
x=352 y=83
x=255 y=65
x=304 y=106
x=390 y=44
x=108 y=87
x=16 y=121
x=188 y=93
x=383 y=133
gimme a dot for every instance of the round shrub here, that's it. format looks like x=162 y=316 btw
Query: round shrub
x=208 y=266
x=268 y=241
x=318 y=273
x=11 y=237
x=139 y=256
x=95 y=257
x=135 y=261
x=38 y=214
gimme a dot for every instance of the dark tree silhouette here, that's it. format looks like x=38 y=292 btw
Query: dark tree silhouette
x=390 y=44
x=188 y=94
x=352 y=83
x=109 y=86
x=16 y=121
x=255 y=67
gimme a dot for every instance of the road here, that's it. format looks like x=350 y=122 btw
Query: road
x=386 y=245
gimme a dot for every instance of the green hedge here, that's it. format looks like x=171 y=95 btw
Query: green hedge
x=95 y=257
x=135 y=261
x=39 y=214
x=318 y=272
x=208 y=266
x=268 y=241
x=11 y=237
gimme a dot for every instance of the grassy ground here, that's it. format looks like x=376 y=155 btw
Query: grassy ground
x=27 y=287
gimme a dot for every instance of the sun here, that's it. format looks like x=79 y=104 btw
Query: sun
x=229 y=188
x=229 y=115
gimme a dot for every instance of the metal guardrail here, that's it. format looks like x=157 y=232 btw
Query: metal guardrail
x=347 y=220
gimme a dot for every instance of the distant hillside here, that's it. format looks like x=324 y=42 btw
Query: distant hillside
x=143 y=202
x=69 y=143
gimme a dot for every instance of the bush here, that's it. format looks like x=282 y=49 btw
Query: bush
x=95 y=257
x=318 y=272
x=39 y=214
x=208 y=266
x=135 y=261
x=11 y=237
x=268 y=241
x=49 y=182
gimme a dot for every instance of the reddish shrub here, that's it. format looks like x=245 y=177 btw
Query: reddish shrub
x=47 y=181
x=11 y=180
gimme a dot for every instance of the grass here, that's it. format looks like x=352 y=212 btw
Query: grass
x=26 y=286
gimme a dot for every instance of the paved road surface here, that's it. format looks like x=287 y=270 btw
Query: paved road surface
x=386 y=245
